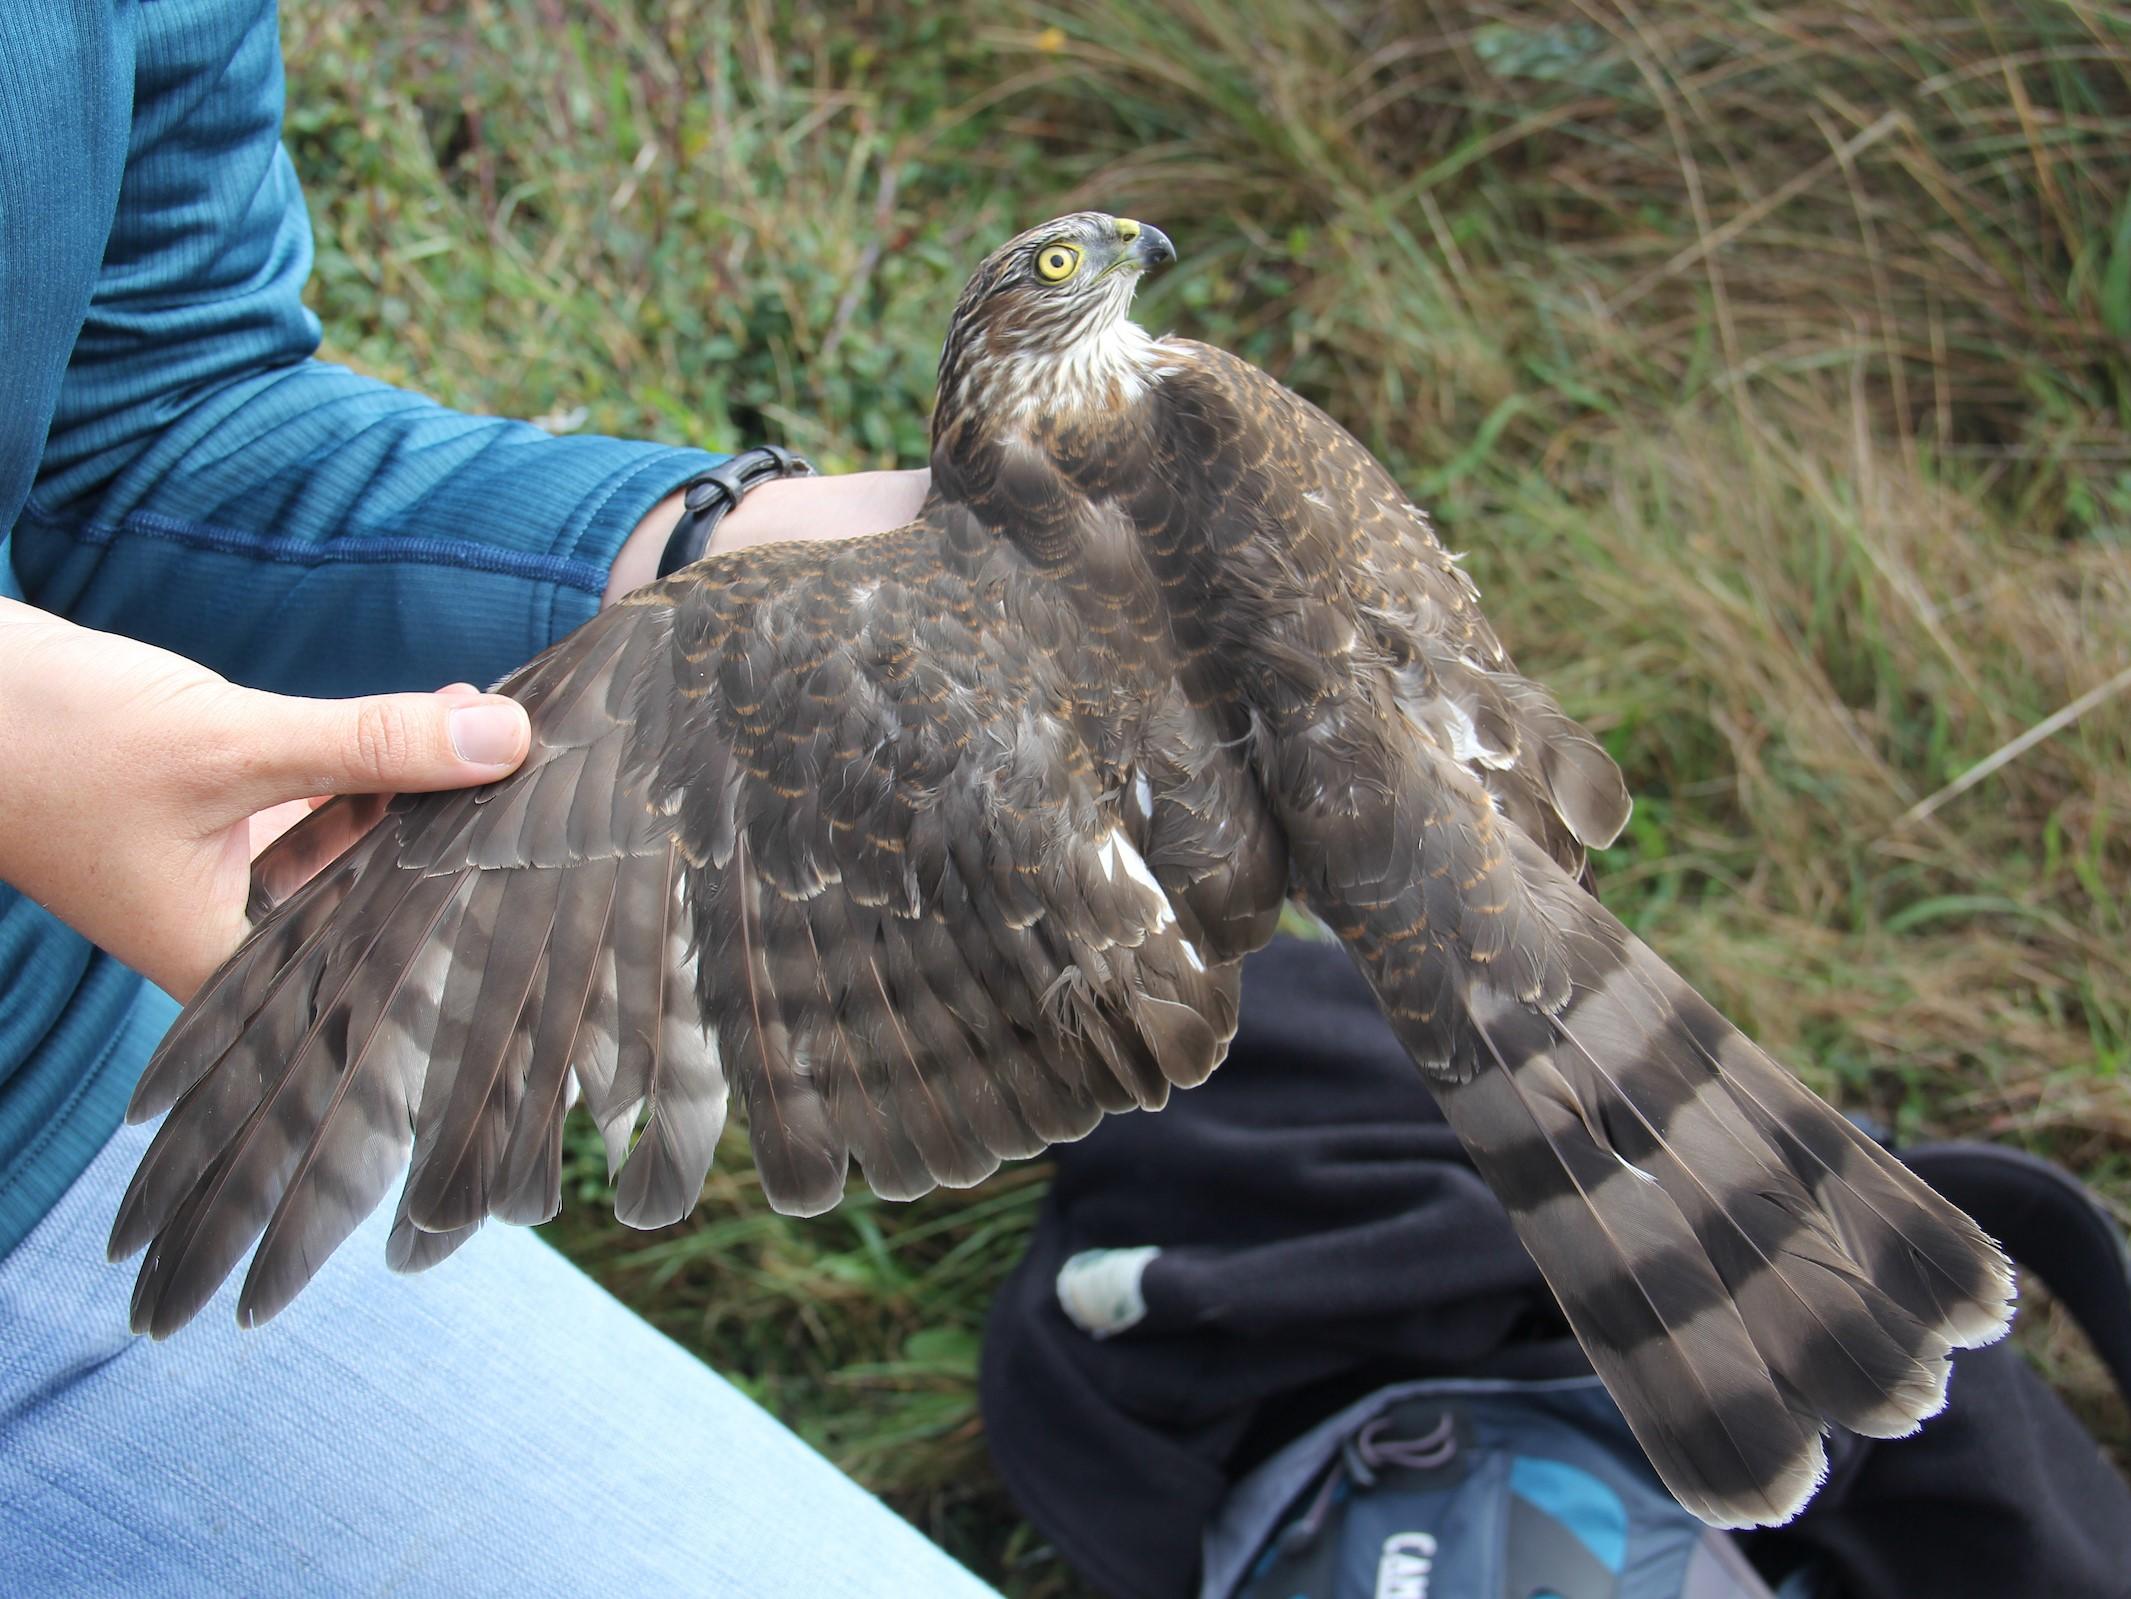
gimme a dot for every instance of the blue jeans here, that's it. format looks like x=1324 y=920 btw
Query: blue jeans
x=499 y=1425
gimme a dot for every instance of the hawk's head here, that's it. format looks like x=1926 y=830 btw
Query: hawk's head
x=1042 y=326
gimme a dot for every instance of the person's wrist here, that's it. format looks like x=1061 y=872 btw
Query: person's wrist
x=637 y=562
x=691 y=515
x=836 y=506
x=844 y=505
x=709 y=498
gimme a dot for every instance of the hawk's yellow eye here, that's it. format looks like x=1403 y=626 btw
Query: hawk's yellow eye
x=1057 y=262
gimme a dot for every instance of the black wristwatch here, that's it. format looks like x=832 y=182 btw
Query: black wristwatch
x=706 y=497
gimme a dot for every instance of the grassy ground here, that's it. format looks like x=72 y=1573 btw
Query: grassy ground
x=1774 y=364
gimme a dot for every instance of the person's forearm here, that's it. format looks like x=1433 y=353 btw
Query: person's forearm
x=313 y=531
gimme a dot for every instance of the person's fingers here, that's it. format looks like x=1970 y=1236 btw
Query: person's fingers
x=286 y=748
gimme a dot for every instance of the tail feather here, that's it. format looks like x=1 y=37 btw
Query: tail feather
x=1642 y=1296
x=1857 y=1358
x=1920 y=1251
x=1742 y=1264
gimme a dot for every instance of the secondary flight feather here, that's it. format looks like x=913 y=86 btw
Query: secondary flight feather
x=938 y=845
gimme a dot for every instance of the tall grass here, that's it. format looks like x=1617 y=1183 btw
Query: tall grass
x=1773 y=363
x=1584 y=206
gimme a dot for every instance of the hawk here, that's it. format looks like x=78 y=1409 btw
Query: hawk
x=939 y=844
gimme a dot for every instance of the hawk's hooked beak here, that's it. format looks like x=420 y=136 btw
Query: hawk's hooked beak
x=1150 y=246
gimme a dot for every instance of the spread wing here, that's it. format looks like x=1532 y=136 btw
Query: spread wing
x=820 y=824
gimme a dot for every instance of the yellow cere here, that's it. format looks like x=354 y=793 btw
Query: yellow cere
x=1127 y=229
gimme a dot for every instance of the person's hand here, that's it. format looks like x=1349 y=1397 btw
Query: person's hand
x=845 y=506
x=136 y=786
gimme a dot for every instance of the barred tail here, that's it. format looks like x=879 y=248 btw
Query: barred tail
x=1742 y=1265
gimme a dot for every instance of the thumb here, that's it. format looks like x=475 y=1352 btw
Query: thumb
x=382 y=744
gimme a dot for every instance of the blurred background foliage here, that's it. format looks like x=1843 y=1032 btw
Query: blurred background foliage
x=1773 y=362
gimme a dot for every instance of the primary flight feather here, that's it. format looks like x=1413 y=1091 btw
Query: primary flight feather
x=938 y=845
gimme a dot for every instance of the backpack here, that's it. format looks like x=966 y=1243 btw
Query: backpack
x=1473 y=1489
x=1456 y=1489
x=1225 y=1366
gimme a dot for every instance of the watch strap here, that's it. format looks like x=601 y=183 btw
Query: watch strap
x=708 y=496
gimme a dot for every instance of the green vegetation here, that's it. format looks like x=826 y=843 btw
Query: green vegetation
x=1773 y=364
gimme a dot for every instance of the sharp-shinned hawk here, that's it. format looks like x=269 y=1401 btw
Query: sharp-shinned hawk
x=939 y=844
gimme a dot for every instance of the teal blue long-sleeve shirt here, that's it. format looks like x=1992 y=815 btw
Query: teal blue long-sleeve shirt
x=175 y=465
